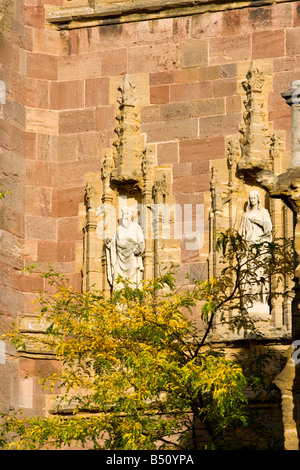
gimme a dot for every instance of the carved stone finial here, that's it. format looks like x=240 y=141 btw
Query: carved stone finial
x=127 y=92
x=255 y=133
x=107 y=165
x=160 y=187
x=147 y=161
x=233 y=152
x=88 y=194
x=130 y=143
x=254 y=80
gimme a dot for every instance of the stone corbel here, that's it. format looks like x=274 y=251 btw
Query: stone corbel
x=286 y=186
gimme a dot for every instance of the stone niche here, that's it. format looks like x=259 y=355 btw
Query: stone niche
x=129 y=178
x=256 y=148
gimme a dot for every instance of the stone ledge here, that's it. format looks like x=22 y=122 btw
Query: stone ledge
x=34 y=328
x=88 y=13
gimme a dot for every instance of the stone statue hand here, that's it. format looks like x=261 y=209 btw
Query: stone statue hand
x=108 y=242
x=256 y=220
x=138 y=249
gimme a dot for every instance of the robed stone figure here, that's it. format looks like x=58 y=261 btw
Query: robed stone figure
x=124 y=252
x=256 y=225
x=256 y=228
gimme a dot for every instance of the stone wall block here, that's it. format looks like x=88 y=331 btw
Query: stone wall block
x=66 y=201
x=180 y=110
x=40 y=228
x=208 y=107
x=159 y=94
x=43 y=66
x=146 y=59
x=169 y=130
x=194 y=53
x=191 y=183
x=230 y=49
x=43 y=121
x=38 y=200
x=76 y=121
x=114 y=62
x=46 y=41
x=201 y=149
x=292 y=41
x=220 y=125
x=67 y=95
x=80 y=67
x=190 y=91
x=97 y=91
x=268 y=44
x=167 y=153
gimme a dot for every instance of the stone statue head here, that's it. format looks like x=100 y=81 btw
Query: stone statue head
x=254 y=200
x=127 y=216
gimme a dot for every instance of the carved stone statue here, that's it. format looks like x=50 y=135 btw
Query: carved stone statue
x=256 y=228
x=256 y=225
x=124 y=252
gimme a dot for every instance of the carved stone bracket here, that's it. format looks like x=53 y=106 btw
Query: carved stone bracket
x=285 y=186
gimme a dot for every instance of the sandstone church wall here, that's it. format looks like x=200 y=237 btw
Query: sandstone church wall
x=59 y=115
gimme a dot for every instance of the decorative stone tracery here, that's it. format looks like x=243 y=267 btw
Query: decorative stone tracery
x=129 y=178
x=257 y=150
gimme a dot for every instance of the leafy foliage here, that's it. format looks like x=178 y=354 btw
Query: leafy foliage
x=241 y=262
x=133 y=366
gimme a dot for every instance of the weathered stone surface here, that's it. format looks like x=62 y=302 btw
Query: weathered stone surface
x=102 y=12
x=62 y=66
x=285 y=381
x=194 y=53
